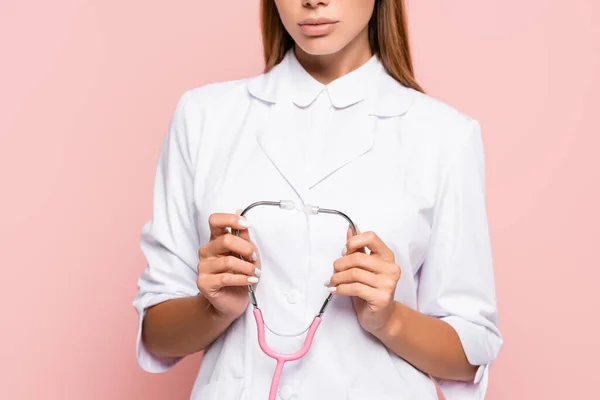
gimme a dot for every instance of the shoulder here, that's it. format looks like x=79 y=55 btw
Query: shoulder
x=211 y=95
x=441 y=128
x=421 y=116
x=436 y=132
x=200 y=106
x=441 y=120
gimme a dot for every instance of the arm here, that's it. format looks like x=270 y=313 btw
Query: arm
x=453 y=335
x=456 y=288
x=188 y=294
x=169 y=242
x=456 y=280
x=428 y=343
x=179 y=327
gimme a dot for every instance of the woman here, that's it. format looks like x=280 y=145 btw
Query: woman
x=338 y=121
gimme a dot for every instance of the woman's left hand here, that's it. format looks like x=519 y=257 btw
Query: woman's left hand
x=370 y=279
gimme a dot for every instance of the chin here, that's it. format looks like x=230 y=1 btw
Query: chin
x=320 y=46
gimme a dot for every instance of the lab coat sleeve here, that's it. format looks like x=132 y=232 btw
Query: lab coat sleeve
x=457 y=279
x=169 y=240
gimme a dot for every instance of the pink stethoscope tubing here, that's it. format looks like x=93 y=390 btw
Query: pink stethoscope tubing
x=279 y=357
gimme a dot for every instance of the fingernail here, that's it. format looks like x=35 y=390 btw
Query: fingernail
x=252 y=279
x=332 y=289
x=254 y=257
x=257 y=272
x=327 y=282
x=344 y=250
x=244 y=222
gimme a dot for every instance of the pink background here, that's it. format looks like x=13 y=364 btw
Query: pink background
x=87 y=88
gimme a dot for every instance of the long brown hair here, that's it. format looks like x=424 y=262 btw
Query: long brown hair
x=388 y=36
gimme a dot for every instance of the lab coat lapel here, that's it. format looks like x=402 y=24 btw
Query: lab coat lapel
x=343 y=143
x=352 y=136
x=274 y=140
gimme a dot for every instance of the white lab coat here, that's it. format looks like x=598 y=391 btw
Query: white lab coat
x=399 y=163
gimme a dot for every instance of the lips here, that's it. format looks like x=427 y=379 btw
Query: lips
x=316 y=27
x=317 y=21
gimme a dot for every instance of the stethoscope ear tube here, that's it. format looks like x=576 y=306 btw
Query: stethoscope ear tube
x=324 y=306
x=309 y=210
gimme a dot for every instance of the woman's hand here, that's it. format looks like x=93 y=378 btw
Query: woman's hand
x=222 y=275
x=370 y=279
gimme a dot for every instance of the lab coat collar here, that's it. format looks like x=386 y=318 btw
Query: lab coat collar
x=288 y=80
x=303 y=89
x=343 y=91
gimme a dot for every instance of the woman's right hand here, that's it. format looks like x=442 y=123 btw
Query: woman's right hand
x=222 y=276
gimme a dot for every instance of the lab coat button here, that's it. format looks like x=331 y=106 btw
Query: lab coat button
x=285 y=392
x=293 y=296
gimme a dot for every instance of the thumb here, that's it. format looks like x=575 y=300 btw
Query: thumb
x=349 y=232
x=244 y=234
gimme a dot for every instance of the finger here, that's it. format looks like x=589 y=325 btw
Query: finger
x=230 y=243
x=215 y=282
x=244 y=234
x=356 y=275
x=358 y=260
x=356 y=289
x=229 y=264
x=371 y=241
x=220 y=222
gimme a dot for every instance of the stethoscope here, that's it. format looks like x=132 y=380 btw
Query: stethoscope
x=282 y=358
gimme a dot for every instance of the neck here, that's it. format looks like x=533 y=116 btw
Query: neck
x=328 y=67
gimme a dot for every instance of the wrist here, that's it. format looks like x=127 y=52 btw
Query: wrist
x=393 y=326
x=215 y=315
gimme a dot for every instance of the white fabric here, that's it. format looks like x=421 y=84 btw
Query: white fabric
x=398 y=162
